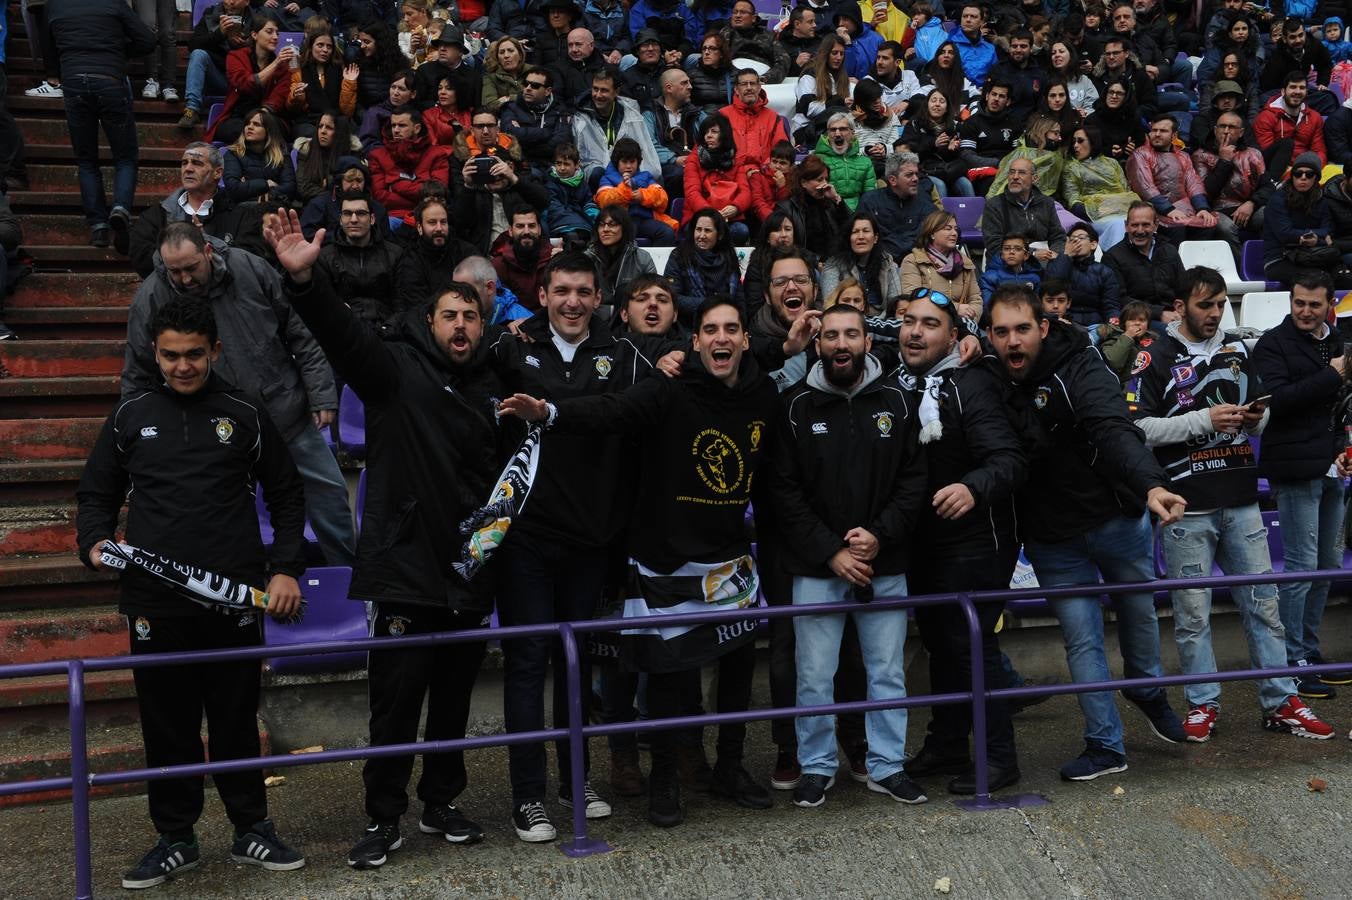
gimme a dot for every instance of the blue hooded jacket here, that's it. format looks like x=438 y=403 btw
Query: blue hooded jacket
x=1341 y=49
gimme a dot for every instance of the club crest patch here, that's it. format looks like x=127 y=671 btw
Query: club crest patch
x=398 y=625
x=603 y=366
x=884 y=423
x=757 y=430
x=1142 y=363
x=1040 y=398
x=1183 y=375
x=142 y=626
x=225 y=428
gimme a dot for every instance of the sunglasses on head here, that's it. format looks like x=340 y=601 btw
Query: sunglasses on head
x=938 y=298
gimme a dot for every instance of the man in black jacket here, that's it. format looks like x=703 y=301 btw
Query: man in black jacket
x=361 y=265
x=425 y=269
x=1301 y=363
x=189 y=445
x=537 y=120
x=847 y=485
x=1298 y=52
x=1146 y=267
x=965 y=537
x=687 y=538
x=1083 y=511
x=429 y=386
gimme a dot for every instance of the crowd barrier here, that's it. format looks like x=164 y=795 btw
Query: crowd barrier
x=581 y=844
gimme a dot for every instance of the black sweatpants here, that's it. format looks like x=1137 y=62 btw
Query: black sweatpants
x=669 y=695
x=397 y=681
x=172 y=700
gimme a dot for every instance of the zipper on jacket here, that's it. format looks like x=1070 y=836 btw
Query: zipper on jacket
x=183 y=413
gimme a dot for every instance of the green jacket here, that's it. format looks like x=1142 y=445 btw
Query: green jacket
x=851 y=172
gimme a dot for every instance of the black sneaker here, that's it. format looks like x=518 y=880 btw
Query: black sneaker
x=597 y=808
x=1092 y=763
x=119 y=220
x=164 y=861
x=930 y=762
x=532 y=822
x=811 y=790
x=260 y=846
x=1338 y=676
x=100 y=236
x=445 y=819
x=1161 y=718
x=7 y=333
x=1313 y=687
x=375 y=846
x=736 y=784
x=664 y=799
x=899 y=787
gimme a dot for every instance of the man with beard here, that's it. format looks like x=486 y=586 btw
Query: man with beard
x=1164 y=176
x=1023 y=73
x=1023 y=209
x=687 y=539
x=361 y=265
x=407 y=161
x=902 y=205
x=965 y=540
x=536 y=119
x=1083 y=512
x=1196 y=402
x=427 y=386
x=756 y=128
x=483 y=201
x=989 y=134
x=518 y=254
x=899 y=85
x=748 y=38
x=425 y=268
x=847 y=485
x=1297 y=53
x=1288 y=127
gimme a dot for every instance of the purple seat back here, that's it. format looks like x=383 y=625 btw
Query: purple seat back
x=1251 y=261
x=329 y=616
x=199 y=9
x=967 y=210
x=352 y=424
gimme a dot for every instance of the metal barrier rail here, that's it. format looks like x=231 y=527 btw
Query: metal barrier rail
x=81 y=780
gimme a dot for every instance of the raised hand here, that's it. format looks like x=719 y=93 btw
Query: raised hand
x=296 y=254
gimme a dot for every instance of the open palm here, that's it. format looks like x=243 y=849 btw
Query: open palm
x=293 y=251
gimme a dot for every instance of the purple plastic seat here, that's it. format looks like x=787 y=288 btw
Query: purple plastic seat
x=329 y=616
x=265 y=530
x=968 y=212
x=1251 y=265
x=677 y=207
x=199 y=8
x=352 y=424
x=214 y=113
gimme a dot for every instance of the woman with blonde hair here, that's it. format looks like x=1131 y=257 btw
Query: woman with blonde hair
x=939 y=263
x=413 y=33
x=258 y=164
x=504 y=72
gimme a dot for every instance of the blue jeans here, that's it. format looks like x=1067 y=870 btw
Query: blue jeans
x=1236 y=539
x=1312 y=538
x=325 y=496
x=882 y=638
x=1122 y=550
x=91 y=102
x=202 y=76
x=962 y=187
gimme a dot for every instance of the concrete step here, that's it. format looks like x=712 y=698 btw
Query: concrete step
x=58 y=359
x=76 y=258
x=20 y=49
x=47 y=439
x=55 y=108
x=69 y=323
x=51 y=290
x=36 y=531
x=158 y=132
x=150 y=179
x=74 y=397
x=36 y=758
x=39 y=482
x=58 y=152
x=34 y=638
x=53 y=583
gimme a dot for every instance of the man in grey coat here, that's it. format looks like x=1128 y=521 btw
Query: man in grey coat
x=269 y=353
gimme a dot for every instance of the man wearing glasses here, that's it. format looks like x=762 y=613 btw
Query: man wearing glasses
x=1288 y=127
x=360 y=264
x=491 y=182
x=1116 y=63
x=536 y=120
x=1232 y=173
x=756 y=127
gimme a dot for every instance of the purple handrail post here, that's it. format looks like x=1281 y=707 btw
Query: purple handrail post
x=581 y=844
x=79 y=782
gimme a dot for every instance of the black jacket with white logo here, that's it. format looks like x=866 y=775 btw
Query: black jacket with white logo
x=844 y=462
x=187 y=465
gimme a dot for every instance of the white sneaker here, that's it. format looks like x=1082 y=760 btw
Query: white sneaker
x=152 y=90
x=45 y=89
x=169 y=94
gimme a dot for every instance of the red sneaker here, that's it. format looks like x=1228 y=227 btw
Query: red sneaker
x=787 y=772
x=857 y=755
x=1294 y=717
x=1200 y=724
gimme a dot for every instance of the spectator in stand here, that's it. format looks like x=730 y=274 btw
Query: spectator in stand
x=641 y=81
x=258 y=164
x=1229 y=97
x=484 y=200
x=521 y=19
x=988 y=136
x=448 y=61
x=896 y=85
x=1302 y=362
x=417 y=16
x=1117 y=66
x=251 y=72
x=200 y=200
x=711 y=75
x=319 y=85
x=1146 y=267
x=1095 y=188
x=500 y=305
x=823 y=89
x=361 y=265
x=1287 y=127
x=817 y=211
x=1335 y=40
x=576 y=70
x=944 y=74
x=1297 y=225
x=625 y=184
x=572 y=207
x=405 y=163
x=220 y=31
x=381 y=62
x=323 y=211
x=748 y=38
x=712 y=180
x=429 y=263
x=755 y=127
x=978 y=54
x=318 y=158
x=799 y=39
x=875 y=128
x=851 y=171
x=1065 y=66
x=551 y=45
x=1013 y=264
x=618 y=257
x=929 y=32
x=1158 y=63
x=865 y=261
x=1095 y=295
x=161 y=17
x=11 y=235
x=535 y=119
x=446 y=120
x=932 y=134
x=673 y=123
x=861 y=39
x=1042 y=144
x=376 y=119
x=938 y=262
x=703 y=264
x=605 y=117
x=95 y=38
x=1238 y=40
x=901 y=206
x=1023 y=208
x=1338 y=198
x=608 y=21
x=1022 y=73
x=772 y=183
x=776 y=234
x=1162 y=174
x=504 y=73
x=1054 y=103
x=521 y=253
x=1306 y=57
x=1233 y=174
x=1117 y=120
x=672 y=19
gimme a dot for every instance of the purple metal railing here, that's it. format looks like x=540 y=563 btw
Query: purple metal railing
x=80 y=780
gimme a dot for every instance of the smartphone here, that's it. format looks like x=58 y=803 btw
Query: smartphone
x=1259 y=404
x=291 y=39
x=483 y=167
